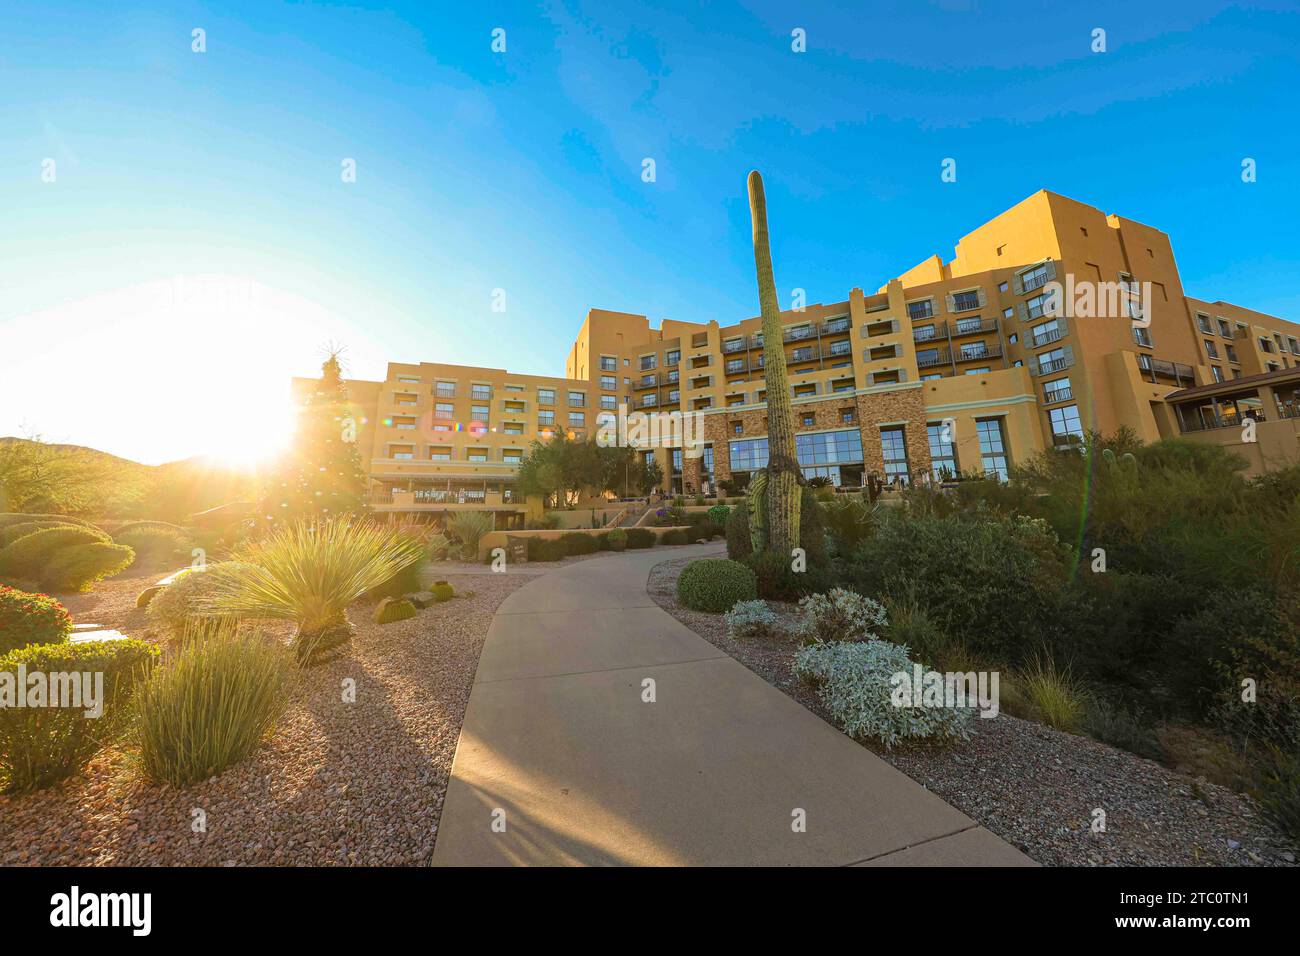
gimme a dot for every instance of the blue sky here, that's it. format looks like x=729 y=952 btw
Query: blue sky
x=522 y=171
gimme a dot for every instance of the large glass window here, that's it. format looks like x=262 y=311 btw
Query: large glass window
x=920 y=310
x=749 y=455
x=1066 y=426
x=993 y=447
x=893 y=444
x=943 y=451
x=829 y=448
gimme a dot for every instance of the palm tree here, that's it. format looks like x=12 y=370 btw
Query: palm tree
x=782 y=486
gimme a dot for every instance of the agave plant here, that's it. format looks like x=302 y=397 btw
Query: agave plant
x=309 y=573
x=469 y=527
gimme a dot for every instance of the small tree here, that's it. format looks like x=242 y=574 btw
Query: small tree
x=321 y=474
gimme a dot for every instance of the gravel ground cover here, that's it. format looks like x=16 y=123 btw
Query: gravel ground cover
x=337 y=783
x=1037 y=787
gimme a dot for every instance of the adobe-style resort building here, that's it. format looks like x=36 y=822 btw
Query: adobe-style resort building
x=953 y=367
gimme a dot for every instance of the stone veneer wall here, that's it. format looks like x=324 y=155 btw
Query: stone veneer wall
x=873 y=410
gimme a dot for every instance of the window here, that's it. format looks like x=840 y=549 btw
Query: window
x=609 y=382
x=409 y=379
x=403 y=452
x=1057 y=390
x=923 y=333
x=439 y=455
x=442 y=428
x=1036 y=307
x=1052 y=361
x=512 y=456
x=1217 y=372
x=546 y=418
x=675 y=461
x=1266 y=344
x=406 y=424
x=648 y=362
x=446 y=389
x=1225 y=328
x=577 y=419
x=737 y=428
x=546 y=396
x=477 y=454
x=444 y=410
x=1203 y=323
x=982 y=370
x=674 y=395
x=931 y=376
x=1008 y=312
x=672 y=357
x=1002 y=287
x=1231 y=351
x=577 y=399
x=1211 y=349
x=993 y=447
x=1142 y=336
x=943 y=453
x=478 y=413
x=1036 y=277
x=513 y=428
x=1046 y=333
x=708 y=462
x=968 y=325
x=749 y=455
x=927 y=357
x=920 y=310
x=823 y=453
x=965 y=301
x=609 y=402
x=973 y=350
x=481 y=393
x=809 y=421
x=893 y=445
x=1013 y=338
x=1067 y=429
x=734 y=366
x=848 y=415
x=608 y=363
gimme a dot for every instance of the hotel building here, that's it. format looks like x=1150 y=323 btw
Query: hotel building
x=963 y=366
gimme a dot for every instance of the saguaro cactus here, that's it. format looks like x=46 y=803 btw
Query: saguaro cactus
x=782 y=461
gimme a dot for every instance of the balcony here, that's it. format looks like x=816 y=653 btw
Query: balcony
x=974 y=328
x=1048 y=337
x=646 y=381
x=736 y=366
x=834 y=326
x=940 y=357
x=737 y=346
x=840 y=348
x=1056 y=365
x=799 y=334
x=1058 y=395
x=808 y=353
x=648 y=401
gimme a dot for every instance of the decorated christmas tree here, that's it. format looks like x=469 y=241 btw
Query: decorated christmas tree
x=320 y=475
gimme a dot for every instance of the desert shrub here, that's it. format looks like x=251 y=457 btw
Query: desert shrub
x=715 y=584
x=9 y=518
x=739 y=545
x=640 y=538
x=546 y=549
x=812 y=527
x=442 y=591
x=42 y=745
x=145 y=597
x=438 y=546
x=31 y=553
x=849 y=520
x=79 y=567
x=1052 y=694
x=675 y=536
x=1279 y=790
x=469 y=528
x=15 y=531
x=718 y=515
x=155 y=543
x=751 y=619
x=31 y=619
x=855 y=682
x=1199 y=752
x=547 y=522
x=210 y=705
x=617 y=539
x=840 y=615
x=997 y=584
x=696 y=532
x=391 y=610
x=778 y=581
x=166 y=527
x=309 y=573
x=1121 y=727
x=405 y=581
x=183 y=602
x=910 y=626
x=579 y=542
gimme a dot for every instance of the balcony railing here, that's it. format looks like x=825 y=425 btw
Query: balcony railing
x=940 y=331
x=796 y=335
x=646 y=381
x=972 y=355
x=941 y=357
x=1058 y=395
x=1056 y=365
x=974 y=328
x=1048 y=337
x=807 y=354
x=835 y=326
x=737 y=346
x=648 y=401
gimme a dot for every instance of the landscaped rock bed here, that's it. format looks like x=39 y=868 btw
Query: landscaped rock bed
x=337 y=783
x=1037 y=787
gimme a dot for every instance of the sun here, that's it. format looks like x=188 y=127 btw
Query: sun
x=248 y=437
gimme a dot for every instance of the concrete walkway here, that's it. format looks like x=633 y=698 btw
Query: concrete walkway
x=561 y=761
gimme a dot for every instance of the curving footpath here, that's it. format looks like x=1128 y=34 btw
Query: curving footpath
x=562 y=761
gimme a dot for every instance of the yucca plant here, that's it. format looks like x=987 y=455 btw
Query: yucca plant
x=469 y=528
x=1052 y=694
x=211 y=704
x=309 y=573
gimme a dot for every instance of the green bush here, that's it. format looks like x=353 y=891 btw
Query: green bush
x=41 y=745
x=675 y=536
x=405 y=581
x=640 y=538
x=1280 y=790
x=10 y=518
x=1053 y=695
x=777 y=581
x=849 y=520
x=438 y=547
x=812 y=527
x=715 y=584
x=739 y=546
x=910 y=626
x=156 y=544
x=1120 y=727
x=162 y=527
x=80 y=567
x=184 y=602
x=468 y=528
x=15 y=531
x=390 y=610
x=30 y=554
x=546 y=549
x=31 y=619
x=617 y=539
x=718 y=515
x=210 y=705
x=442 y=591
x=579 y=542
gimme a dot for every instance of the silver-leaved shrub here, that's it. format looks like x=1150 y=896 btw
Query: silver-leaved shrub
x=855 y=683
x=840 y=615
x=751 y=619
